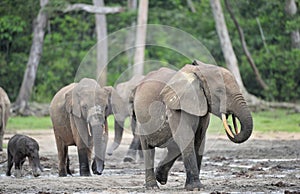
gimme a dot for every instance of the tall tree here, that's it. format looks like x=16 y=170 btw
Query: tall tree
x=102 y=50
x=229 y=55
x=291 y=10
x=141 y=38
x=245 y=48
x=39 y=27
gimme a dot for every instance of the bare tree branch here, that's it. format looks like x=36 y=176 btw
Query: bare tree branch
x=191 y=5
x=245 y=48
x=92 y=8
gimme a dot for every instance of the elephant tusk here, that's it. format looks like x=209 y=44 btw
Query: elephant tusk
x=226 y=125
x=234 y=124
x=89 y=130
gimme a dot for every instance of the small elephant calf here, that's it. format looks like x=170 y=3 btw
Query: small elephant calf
x=19 y=147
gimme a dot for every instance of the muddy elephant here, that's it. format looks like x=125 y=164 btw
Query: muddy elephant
x=121 y=106
x=4 y=114
x=19 y=147
x=173 y=110
x=78 y=114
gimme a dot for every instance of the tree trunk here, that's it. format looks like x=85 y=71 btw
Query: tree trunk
x=229 y=55
x=132 y=6
x=291 y=10
x=141 y=38
x=39 y=26
x=259 y=80
x=102 y=50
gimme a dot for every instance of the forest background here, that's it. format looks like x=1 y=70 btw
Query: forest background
x=69 y=36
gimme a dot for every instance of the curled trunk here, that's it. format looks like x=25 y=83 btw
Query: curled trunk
x=243 y=114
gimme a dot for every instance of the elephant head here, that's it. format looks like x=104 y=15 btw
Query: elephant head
x=87 y=105
x=201 y=88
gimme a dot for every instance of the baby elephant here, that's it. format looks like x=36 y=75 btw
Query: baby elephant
x=19 y=147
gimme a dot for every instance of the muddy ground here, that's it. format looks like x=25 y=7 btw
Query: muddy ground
x=268 y=163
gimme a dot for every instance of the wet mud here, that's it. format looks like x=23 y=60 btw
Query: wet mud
x=265 y=164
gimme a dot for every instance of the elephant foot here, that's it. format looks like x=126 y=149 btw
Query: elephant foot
x=36 y=174
x=18 y=174
x=128 y=159
x=151 y=185
x=62 y=173
x=194 y=186
x=85 y=174
x=161 y=176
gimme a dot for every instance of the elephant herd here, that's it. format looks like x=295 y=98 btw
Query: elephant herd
x=167 y=108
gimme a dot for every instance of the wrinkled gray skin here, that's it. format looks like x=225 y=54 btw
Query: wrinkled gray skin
x=172 y=110
x=19 y=147
x=120 y=103
x=4 y=114
x=78 y=114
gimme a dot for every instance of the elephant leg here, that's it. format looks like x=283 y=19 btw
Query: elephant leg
x=1 y=136
x=200 y=139
x=62 y=150
x=68 y=166
x=165 y=165
x=18 y=166
x=149 y=153
x=84 y=166
x=182 y=125
x=9 y=164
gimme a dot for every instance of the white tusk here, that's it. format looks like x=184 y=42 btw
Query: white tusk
x=226 y=125
x=234 y=124
x=89 y=130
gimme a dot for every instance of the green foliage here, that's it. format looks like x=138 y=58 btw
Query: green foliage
x=70 y=36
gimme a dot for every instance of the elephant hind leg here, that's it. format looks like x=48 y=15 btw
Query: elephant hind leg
x=166 y=164
x=9 y=164
x=68 y=165
x=62 y=150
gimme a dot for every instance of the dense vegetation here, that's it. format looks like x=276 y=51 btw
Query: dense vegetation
x=70 y=36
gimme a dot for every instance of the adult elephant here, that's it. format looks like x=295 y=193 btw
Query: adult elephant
x=173 y=110
x=4 y=114
x=120 y=101
x=78 y=114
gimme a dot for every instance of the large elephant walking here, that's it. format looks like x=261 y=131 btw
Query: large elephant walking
x=4 y=114
x=78 y=114
x=173 y=110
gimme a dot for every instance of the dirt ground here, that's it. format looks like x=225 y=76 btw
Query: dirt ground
x=267 y=163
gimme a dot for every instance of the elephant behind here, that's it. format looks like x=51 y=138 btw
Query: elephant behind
x=173 y=111
x=78 y=114
x=121 y=106
x=4 y=114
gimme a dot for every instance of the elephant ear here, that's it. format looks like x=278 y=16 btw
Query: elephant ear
x=72 y=103
x=184 y=92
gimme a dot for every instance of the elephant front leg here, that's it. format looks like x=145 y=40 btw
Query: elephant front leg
x=182 y=125
x=84 y=166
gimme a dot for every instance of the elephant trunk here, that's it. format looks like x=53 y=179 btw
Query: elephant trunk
x=100 y=138
x=241 y=112
x=118 y=136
